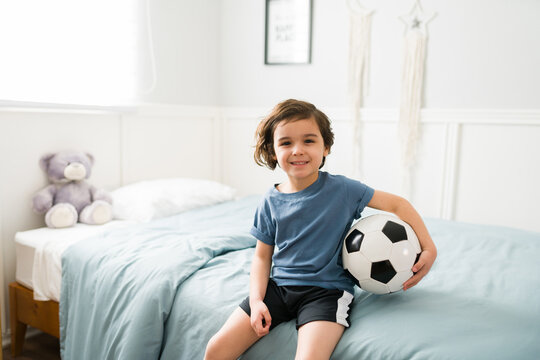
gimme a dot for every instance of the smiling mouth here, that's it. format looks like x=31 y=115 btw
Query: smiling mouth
x=299 y=162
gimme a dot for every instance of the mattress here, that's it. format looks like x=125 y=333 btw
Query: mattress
x=39 y=252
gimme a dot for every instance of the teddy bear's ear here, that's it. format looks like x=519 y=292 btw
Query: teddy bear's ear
x=91 y=157
x=44 y=161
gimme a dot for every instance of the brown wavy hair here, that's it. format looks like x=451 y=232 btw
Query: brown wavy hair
x=287 y=111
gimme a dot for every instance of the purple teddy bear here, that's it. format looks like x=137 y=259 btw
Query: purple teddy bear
x=70 y=198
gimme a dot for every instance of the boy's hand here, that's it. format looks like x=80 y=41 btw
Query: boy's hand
x=421 y=268
x=260 y=318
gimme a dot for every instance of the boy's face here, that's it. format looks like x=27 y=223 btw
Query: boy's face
x=299 y=149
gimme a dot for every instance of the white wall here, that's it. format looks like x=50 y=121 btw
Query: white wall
x=481 y=54
x=246 y=81
x=185 y=43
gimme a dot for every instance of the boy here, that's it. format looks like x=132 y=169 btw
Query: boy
x=306 y=217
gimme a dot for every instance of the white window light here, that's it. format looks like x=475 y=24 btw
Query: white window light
x=69 y=52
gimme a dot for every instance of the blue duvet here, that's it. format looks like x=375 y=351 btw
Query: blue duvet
x=161 y=290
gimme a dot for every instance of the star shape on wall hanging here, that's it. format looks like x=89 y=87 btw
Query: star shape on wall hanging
x=417 y=18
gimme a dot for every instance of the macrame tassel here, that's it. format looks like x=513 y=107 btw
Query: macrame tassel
x=359 y=54
x=412 y=78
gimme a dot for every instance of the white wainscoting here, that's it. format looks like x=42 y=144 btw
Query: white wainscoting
x=163 y=142
x=473 y=165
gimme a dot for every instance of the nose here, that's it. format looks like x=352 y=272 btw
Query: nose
x=298 y=150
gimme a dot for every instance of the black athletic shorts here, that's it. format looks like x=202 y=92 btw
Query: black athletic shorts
x=305 y=303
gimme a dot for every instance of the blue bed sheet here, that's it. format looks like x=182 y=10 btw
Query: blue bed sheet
x=161 y=290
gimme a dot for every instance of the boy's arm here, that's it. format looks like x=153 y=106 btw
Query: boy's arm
x=260 y=272
x=406 y=212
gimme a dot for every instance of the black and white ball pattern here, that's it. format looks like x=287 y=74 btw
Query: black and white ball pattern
x=379 y=252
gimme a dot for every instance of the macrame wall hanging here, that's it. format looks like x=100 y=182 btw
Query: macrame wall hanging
x=359 y=54
x=412 y=79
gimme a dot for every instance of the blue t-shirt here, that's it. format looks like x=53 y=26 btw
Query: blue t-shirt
x=307 y=229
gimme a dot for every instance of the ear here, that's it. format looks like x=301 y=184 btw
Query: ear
x=326 y=151
x=44 y=161
x=91 y=157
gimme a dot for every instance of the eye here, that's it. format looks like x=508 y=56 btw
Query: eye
x=309 y=141
x=285 y=143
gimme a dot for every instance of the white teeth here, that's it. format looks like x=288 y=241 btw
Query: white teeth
x=299 y=162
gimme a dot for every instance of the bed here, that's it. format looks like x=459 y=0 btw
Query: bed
x=161 y=289
x=35 y=294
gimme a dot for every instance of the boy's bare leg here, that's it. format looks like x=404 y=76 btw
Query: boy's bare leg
x=233 y=339
x=318 y=339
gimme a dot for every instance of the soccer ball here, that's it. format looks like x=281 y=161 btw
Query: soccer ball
x=379 y=252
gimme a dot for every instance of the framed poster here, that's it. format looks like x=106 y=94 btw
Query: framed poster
x=288 y=32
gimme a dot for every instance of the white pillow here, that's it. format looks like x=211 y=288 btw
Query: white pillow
x=147 y=200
